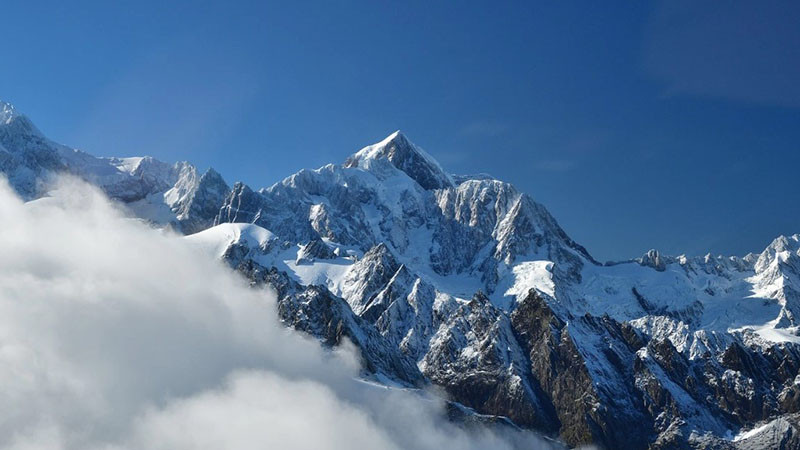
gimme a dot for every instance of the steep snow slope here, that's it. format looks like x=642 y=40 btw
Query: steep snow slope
x=405 y=156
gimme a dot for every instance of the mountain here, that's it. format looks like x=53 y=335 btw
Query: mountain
x=465 y=283
x=160 y=193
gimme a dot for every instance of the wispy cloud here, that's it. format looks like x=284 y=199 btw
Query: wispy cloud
x=485 y=128
x=741 y=51
x=554 y=165
x=564 y=152
x=171 y=100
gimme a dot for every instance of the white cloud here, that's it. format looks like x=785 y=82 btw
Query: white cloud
x=113 y=335
x=261 y=409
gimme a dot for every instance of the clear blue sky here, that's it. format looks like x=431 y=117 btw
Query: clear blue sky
x=638 y=124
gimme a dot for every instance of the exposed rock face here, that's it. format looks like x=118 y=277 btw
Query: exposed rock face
x=588 y=411
x=314 y=250
x=782 y=433
x=488 y=216
x=465 y=283
x=314 y=310
x=371 y=274
x=778 y=276
x=653 y=259
x=480 y=364
x=196 y=202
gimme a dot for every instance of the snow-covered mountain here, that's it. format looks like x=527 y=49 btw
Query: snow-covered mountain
x=466 y=283
x=161 y=193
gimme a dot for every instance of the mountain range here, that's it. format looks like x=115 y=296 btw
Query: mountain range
x=467 y=284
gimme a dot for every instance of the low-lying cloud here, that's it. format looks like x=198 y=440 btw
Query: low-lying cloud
x=116 y=336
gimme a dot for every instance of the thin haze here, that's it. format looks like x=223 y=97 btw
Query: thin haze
x=670 y=125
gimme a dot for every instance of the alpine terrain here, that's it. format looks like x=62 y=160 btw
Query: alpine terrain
x=467 y=284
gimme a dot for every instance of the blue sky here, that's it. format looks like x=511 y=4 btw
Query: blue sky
x=639 y=125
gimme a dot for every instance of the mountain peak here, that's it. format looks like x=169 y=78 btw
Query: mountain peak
x=212 y=173
x=11 y=118
x=407 y=157
x=396 y=135
x=397 y=138
x=7 y=112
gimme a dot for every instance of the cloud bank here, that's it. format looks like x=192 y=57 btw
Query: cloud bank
x=115 y=336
